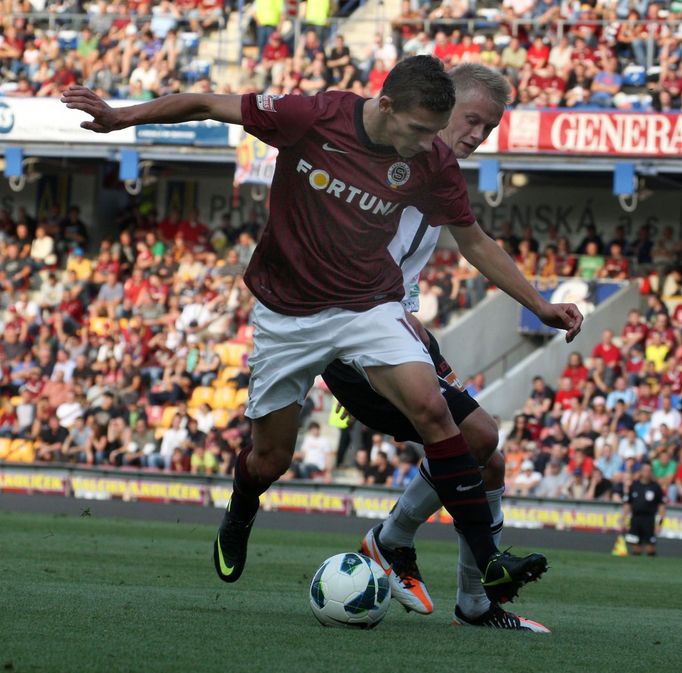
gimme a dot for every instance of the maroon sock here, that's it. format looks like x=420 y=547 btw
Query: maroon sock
x=458 y=482
x=246 y=489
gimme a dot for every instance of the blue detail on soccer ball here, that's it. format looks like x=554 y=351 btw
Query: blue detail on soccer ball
x=350 y=563
x=382 y=589
x=317 y=587
x=364 y=601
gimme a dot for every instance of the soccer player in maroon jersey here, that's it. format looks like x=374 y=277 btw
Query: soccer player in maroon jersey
x=482 y=94
x=327 y=287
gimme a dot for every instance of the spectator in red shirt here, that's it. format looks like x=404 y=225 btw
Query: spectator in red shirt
x=566 y=393
x=610 y=355
x=553 y=85
x=135 y=287
x=634 y=331
x=444 y=48
x=467 y=51
x=538 y=53
x=273 y=62
x=634 y=364
x=63 y=77
x=616 y=266
x=194 y=232
x=663 y=327
x=583 y=54
x=170 y=225
x=576 y=370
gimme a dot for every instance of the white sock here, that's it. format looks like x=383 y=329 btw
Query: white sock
x=414 y=507
x=471 y=596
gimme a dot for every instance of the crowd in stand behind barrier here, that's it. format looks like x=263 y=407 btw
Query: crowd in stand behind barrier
x=555 y=54
x=135 y=355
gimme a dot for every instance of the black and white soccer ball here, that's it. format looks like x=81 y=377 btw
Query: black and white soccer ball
x=350 y=590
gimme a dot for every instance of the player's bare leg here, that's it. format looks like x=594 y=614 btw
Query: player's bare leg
x=274 y=439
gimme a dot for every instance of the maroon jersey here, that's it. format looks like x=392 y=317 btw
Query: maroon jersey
x=336 y=203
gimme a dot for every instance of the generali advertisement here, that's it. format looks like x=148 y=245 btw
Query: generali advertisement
x=577 y=132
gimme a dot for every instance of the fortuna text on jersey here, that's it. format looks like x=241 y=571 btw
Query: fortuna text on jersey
x=321 y=181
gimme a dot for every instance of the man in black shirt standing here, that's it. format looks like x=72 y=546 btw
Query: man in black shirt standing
x=643 y=505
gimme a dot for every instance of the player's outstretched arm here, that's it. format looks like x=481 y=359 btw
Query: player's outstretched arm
x=496 y=265
x=172 y=109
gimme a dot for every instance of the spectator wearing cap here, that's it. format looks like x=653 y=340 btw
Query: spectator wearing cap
x=599 y=417
x=527 y=480
x=621 y=417
x=80 y=265
x=554 y=482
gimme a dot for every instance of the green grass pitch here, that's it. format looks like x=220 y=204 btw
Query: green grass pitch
x=91 y=595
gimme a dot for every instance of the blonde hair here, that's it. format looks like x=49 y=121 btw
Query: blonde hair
x=476 y=77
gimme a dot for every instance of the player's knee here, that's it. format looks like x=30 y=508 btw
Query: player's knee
x=430 y=411
x=493 y=473
x=480 y=432
x=272 y=465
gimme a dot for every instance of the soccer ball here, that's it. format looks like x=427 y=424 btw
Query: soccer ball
x=350 y=590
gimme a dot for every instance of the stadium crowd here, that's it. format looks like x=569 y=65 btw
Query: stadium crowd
x=135 y=355
x=600 y=53
x=132 y=351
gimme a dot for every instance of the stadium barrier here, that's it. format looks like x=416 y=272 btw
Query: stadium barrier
x=303 y=497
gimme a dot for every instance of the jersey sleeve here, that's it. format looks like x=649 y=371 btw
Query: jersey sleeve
x=280 y=121
x=447 y=202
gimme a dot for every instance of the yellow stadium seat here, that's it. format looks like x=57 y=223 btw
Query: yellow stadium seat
x=221 y=417
x=223 y=398
x=16 y=400
x=241 y=397
x=223 y=375
x=231 y=354
x=201 y=395
x=5 y=447
x=22 y=451
x=159 y=433
x=167 y=417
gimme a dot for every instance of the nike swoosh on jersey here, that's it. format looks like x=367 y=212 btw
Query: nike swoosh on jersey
x=328 y=148
x=468 y=488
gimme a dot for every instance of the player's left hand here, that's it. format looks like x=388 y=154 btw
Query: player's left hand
x=563 y=316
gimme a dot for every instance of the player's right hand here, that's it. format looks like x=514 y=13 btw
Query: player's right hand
x=105 y=118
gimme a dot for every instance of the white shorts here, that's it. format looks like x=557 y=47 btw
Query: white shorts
x=290 y=351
